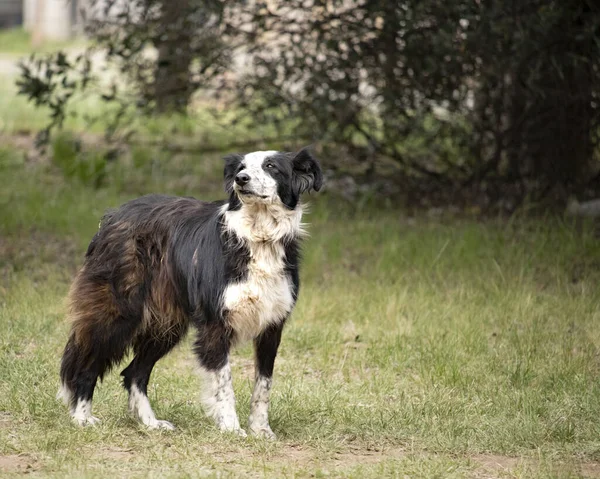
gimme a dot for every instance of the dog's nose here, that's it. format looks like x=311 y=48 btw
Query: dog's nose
x=242 y=178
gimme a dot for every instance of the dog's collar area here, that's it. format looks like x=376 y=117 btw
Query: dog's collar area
x=263 y=221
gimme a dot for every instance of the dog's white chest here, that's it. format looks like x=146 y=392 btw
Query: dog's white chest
x=264 y=297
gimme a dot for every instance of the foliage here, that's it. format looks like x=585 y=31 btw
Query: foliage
x=460 y=92
x=89 y=167
x=51 y=81
x=513 y=83
x=370 y=69
x=187 y=38
x=155 y=55
x=535 y=115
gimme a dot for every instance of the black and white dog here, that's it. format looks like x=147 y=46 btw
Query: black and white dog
x=160 y=263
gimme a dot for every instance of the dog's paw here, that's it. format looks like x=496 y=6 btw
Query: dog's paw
x=86 y=420
x=263 y=432
x=234 y=430
x=161 y=424
x=230 y=423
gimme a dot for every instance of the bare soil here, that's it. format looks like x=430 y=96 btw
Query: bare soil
x=17 y=463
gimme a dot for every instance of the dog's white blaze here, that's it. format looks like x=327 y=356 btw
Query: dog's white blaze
x=219 y=400
x=82 y=413
x=258 y=422
x=265 y=296
x=260 y=181
x=139 y=404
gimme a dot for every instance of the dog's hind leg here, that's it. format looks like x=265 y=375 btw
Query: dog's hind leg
x=78 y=383
x=148 y=351
x=87 y=359
x=99 y=339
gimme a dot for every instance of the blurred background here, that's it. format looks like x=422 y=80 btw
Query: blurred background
x=448 y=320
x=485 y=104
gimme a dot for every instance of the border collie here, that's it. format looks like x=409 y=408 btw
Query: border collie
x=160 y=263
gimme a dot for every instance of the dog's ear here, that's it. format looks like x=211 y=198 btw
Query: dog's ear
x=232 y=164
x=307 y=173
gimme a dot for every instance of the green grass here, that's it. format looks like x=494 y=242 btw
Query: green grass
x=419 y=348
x=16 y=41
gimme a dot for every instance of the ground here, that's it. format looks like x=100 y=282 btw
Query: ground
x=435 y=344
x=419 y=348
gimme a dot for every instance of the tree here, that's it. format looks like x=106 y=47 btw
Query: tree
x=188 y=45
x=501 y=91
x=536 y=115
x=463 y=93
x=161 y=50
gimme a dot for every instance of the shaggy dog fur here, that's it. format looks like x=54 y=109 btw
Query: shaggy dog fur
x=160 y=263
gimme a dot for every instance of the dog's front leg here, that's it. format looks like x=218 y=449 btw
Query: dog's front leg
x=212 y=348
x=265 y=347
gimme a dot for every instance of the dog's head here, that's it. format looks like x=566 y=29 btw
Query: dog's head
x=272 y=176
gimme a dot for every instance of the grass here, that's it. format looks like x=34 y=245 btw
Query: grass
x=420 y=347
x=17 y=41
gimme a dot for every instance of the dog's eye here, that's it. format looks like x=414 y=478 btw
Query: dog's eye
x=270 y=165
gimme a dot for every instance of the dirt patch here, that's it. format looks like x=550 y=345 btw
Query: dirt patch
x=116 y=453
x=306 y=460
x=17 y=463
x=591 y=470
x=492 y=465
x=302 y=458
x=483 y=465
x=355 y=456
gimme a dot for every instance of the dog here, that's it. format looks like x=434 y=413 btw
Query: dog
x=159 y=264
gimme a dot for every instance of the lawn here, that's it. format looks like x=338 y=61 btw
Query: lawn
x=421 y=346
x=16 y=41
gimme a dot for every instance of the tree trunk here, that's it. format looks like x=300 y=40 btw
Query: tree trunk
x=171 y=89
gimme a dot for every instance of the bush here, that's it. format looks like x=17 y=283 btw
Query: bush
x=89 y=166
